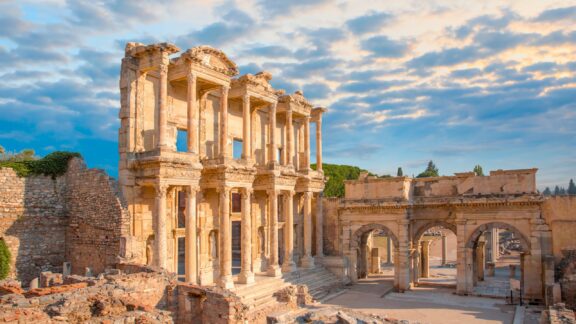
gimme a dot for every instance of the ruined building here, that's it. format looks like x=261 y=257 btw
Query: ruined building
x=215 y=168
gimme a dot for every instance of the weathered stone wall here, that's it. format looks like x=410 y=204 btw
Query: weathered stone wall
x=209 y=305
x=33 y=223
x=560 y=214
x=331 y=227
x=99 y=221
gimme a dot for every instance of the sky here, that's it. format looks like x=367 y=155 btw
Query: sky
x=461 y=83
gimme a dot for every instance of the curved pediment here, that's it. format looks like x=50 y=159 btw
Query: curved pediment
x=213 y=59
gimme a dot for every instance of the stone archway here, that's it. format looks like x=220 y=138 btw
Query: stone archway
x=358 y=246
x=473 y=257
x=421 y=266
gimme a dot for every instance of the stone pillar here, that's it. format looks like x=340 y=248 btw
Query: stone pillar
x=225 y=240
x=272 y=153
x=480 y=259
x=192 y=119
x=307 y=260
x=246 y=129
x=246 y=275
x=224 y=151
x=273 y=267
x=319 y=227
x=162 y=98
x=307 y=142
x=490 y=269
x=495 y=236
x=190 y=240
x=319 y=143
x=289 y=265
x=388 y=250
x=425 y=259
x=402 y=258
x=289 y=135
x=376 y=261
x=160 y=239
x=444 y=250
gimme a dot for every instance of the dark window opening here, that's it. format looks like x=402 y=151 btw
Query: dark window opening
x=236 y=202
x=181 y=209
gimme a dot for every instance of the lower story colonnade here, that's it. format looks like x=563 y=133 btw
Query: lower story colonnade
x=226 y=235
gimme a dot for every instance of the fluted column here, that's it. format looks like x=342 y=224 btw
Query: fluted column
x=273 y=267
x=272 y=152
x=190 y=240
x=225 y=240
x=444 y=250
x=388 y=250
x=246 y=129
x=289 y=140
x=224 y=151
x=319 y=143
x=307 y=142
x=160 y=239
x=162 y=98
x=246 y=275
x=289 y=265
x=319 y=227
x=192 y=119
x=307 y=260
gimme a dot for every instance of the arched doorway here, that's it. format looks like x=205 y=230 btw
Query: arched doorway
x=495 y=255
x=434 y=263
x=375 y=253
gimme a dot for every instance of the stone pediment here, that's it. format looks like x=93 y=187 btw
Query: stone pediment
x=297 y=98
x=211 y=58
x=259 y=82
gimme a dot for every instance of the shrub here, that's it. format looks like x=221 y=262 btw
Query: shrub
x=4 y=260
x=53 y=164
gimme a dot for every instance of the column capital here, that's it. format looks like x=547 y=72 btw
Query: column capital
x=245 y=192
x=225 y=88
x=192 y=75
x=289 y=193
x=163 y=68
x=272 y=192
x=161 y=189
x=246 y=97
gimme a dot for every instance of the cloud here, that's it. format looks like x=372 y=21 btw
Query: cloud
x=270 y=51
x=382 y=46
x=446 y=57
x=277 y=7
x=466 y=73
x=553 y=15
x=371 y=22
x=370 y=85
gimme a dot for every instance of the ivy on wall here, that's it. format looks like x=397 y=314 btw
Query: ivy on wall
x=53 y=164
x=4 y=260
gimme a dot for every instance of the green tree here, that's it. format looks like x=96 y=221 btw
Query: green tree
x=556 y=191
x=547 y=192
x=336 y=175
x=478 y=170
x=431 y=171
x=562 y=191
x=571 y=188
x=399 y=173
x=4 y=259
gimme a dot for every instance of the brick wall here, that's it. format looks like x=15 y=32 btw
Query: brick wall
x=98 y=219
x=33 y=223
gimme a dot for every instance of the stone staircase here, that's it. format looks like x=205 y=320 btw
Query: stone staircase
x=320 y=283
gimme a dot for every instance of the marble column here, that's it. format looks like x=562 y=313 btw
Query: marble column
x=289 y=265
x=273 y=151
x=388 y=250
x=224 y=151
x=319 y=226
x=319 y=143
x=495 y=236
x=190 y=240
x=225 y=240
x=444 y=250
x=160 y=246
x=246 y=275
x=425 y=259
x=162 y=109
x=192 y=115
x=246 y=128
x=307 y=260
x=289 y=138
x=273 y=267
x=307 y=142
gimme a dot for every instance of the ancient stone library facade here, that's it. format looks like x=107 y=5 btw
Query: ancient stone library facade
x=215 y=168
x=215 y=189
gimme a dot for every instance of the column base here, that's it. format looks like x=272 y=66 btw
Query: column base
x=246 y=278
x=274 y=271
x=307 y=262
x=288 y=267
x=226 y=282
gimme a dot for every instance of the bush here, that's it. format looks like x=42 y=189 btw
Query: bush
x=4 y=260
x=53 y=164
